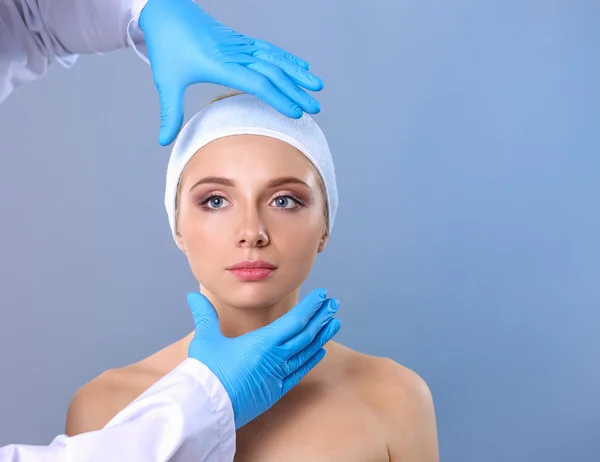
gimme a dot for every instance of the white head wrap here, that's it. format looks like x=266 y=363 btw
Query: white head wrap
x=247 y=115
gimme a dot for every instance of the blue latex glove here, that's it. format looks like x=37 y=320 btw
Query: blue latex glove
x=187 y=46
x=259 y=367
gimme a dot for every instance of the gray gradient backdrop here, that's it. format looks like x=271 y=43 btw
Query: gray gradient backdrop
x=468 y=154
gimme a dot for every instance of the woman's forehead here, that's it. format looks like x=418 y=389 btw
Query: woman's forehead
x=246 y=156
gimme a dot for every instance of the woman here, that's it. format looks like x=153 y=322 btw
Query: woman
x=251 y=198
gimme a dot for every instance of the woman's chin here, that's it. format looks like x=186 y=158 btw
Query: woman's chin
x=251 y=296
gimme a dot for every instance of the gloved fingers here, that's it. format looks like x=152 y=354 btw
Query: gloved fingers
x=293 y=380
x=306 y=102
x=326 y=333
x=248 y=81
x=314 y=327
x=297 y=73
x=295 y=320
x=204 y=314
x=171 y=111
x=270 y=48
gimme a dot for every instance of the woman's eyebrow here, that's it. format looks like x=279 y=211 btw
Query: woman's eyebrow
x=277 y=182
x=287 y=180
x=214 y=180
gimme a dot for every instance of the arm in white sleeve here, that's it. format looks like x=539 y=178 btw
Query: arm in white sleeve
x=36 y=33
x=185 y=416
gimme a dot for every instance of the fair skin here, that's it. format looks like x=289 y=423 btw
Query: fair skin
x=257 y=198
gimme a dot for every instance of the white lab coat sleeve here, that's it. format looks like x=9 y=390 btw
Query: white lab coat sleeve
x=37 y=33
x=186 y=416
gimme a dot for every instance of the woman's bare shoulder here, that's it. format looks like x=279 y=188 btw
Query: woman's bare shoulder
x=374 y=372
x=401 y=400
x=99 y=400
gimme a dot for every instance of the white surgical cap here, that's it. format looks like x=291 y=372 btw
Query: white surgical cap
x=247 y=115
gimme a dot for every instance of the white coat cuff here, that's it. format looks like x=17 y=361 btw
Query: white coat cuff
x=135 y=36
x=220 y=400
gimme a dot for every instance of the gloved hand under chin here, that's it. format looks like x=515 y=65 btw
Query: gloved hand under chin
x=187 y=46
x=258 y=368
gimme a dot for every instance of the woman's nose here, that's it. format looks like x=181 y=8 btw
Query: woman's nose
x=252 y=231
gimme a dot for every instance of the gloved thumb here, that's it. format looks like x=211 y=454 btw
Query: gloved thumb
x=171 y=111
x=204 y=314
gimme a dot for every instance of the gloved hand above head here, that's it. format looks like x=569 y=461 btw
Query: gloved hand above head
x=187 y=46
x=259 y=367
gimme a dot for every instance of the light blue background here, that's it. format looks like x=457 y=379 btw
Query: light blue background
x=467 y=146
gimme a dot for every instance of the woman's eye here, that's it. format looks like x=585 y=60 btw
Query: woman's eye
x=215 y=202
x=285 y=202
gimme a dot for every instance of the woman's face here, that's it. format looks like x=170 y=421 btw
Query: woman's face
x=250 y=198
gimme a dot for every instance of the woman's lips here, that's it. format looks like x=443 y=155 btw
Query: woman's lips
x=252 y=270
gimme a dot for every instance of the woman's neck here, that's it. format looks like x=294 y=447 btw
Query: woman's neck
x=236 y=321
